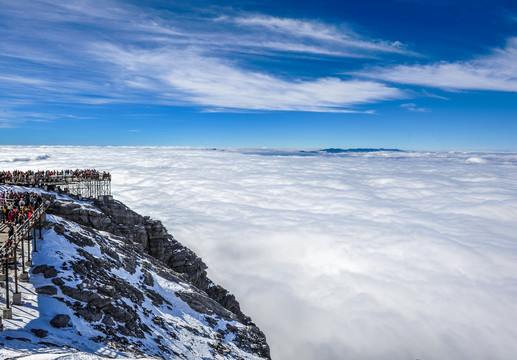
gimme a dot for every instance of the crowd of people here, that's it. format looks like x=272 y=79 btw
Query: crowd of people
x=50 y=176
x=17 y=207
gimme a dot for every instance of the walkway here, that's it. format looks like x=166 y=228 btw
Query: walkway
x=17 y=254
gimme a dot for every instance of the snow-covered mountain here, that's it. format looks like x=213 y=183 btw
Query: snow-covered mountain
x=109 y=282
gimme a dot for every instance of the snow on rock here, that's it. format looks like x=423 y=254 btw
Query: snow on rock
x=107 y=282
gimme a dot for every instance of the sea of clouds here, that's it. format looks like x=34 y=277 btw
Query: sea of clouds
x=386 y=255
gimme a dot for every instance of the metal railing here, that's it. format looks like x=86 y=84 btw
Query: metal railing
x=38 y=180
x=82 y=183
x=23 y=229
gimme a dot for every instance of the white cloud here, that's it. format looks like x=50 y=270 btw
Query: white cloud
x=321 y=32
x=209 y=81
x=497 y=72
x=413 y=107
x=293 y=27
x=148 y=56
x=368 y=256
x=408 y=105
x=23 y=80
x=12 y=119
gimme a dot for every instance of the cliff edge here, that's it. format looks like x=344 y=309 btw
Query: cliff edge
x=110 y=282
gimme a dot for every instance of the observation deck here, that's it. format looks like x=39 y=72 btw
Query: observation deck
x=81 y=183
x=24 y=215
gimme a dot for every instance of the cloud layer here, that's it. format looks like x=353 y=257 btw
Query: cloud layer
x=367 y=256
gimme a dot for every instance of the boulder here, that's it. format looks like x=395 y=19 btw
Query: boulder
x=50 y=272
x=47 y=290
x=58 y=281
x=108 y=320
x=60 y=321
x=39 y=332
x=89 y=314
x=39 y=269
x=84 y=296
x=118 y=313
x=108 y=290
x=100 y=301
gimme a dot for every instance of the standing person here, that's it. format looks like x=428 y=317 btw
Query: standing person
x=10 y=216
x=10 y=236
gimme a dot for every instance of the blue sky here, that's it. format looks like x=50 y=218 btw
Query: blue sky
x=411 y=74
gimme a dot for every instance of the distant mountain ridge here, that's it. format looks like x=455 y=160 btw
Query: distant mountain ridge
x=297 y=152
x=356 y=150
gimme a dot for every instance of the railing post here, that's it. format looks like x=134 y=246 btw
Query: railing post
x=29 y=262
x=17 y=296
x=34 y=232
x=24 y=276
x=40 y=226
x=8 y=312
x=15 y=268
x=6 y=282
x=23 y=258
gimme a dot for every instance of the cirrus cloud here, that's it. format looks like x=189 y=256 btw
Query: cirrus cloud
x=80 y=52
x=342 y=40
x=209 y=81
x=494 y=72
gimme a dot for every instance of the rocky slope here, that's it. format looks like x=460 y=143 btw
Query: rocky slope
x=120 y=283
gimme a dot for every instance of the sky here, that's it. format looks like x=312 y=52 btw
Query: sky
x=356 y=256
x=411 y=74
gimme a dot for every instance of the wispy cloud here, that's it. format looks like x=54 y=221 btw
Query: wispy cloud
x=413 y=107
x=23 y=80
x=80 y=52
x=344 y=38
x=83 y=52
x=497 y=72
x=13 y=119
x=191 y=76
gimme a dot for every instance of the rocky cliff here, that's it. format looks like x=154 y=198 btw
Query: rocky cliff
x=120 y=281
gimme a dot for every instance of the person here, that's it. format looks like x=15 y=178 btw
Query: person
x=10 y=235
x=10 y=216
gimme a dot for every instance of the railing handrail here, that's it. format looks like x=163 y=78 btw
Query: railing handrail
x=54 y=179
x=21 y=230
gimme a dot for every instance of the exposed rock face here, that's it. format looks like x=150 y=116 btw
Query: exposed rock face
x=114 y=217
x=143 y=247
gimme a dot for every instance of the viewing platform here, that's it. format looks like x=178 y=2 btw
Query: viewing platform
x=23 y=213
x=82 y=183
x=16 y=245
